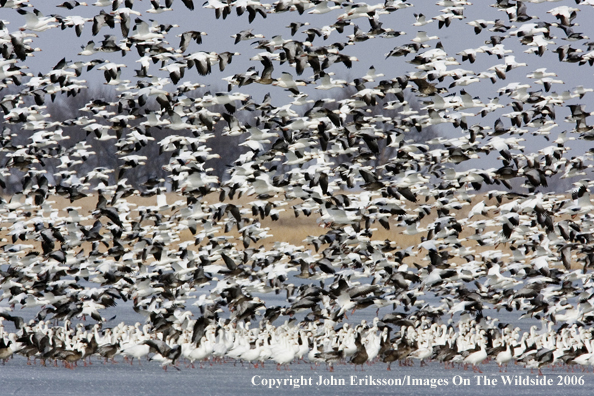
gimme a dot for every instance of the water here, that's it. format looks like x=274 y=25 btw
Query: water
x=16 y=378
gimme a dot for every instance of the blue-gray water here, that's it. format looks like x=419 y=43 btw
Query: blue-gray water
x=16 y=378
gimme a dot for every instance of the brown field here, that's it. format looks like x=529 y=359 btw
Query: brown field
x=288 y=228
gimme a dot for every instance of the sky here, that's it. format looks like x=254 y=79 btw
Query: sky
x=56 y=44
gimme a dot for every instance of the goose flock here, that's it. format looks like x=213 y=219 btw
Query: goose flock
x=499 y=211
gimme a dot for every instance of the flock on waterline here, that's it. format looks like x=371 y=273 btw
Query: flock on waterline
x=493 y=238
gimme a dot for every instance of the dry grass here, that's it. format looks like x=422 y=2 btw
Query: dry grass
x=290 y=229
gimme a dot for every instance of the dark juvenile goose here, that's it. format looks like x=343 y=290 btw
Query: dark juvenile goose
x=400 y=354
x=70 y=357
x=360 y=356
x=5 y=350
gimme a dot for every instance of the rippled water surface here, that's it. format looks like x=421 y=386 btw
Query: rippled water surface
x=16 y=378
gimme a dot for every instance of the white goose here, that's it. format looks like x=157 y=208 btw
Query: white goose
x=36 y=22
x=504 y=357
x=135 y=350
x=253 y=354
x=477 y=357
x=283 y=351
x=200 y=353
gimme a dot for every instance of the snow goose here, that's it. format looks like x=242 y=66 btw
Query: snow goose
x=202 y=351
x=265 y=351
x=36 y=22
x=421 y=20
x=477 y=357
x=313 y=355
x=372 y=344
x=399 y=352
x=240 y=346
x=323 y=8
x=132 y=349
x=330 y=356
x=5 y=349
x=109 y=349
x=253 y=354
x=424 y=351
x=164 y=353
x=504 y=357
x=326 y=83
x=302 y=345
x=360 y=356
x=286 y=81
x=246 y=35
x=422 y=38
x=283 y=351
x=221 y=345
x=70 y=356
